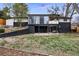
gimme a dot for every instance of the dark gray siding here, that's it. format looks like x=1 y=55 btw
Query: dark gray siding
x=31 y=29
x=23 y=24
x=64 y=27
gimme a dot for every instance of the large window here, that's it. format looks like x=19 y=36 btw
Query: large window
x=38 y=19
x=34 y=20
x=31 y=20
x=41 y=19
x=46 y=19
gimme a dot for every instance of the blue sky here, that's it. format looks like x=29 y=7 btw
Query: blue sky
x=39 y=8
x=42 y=8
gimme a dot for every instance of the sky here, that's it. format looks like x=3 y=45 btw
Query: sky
x=39 y=8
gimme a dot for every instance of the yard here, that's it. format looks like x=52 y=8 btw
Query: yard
x=51 y=44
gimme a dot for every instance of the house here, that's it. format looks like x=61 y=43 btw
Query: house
x=40 y=23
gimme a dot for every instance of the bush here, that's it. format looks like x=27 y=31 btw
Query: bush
x=2 y=30
x=2 y=42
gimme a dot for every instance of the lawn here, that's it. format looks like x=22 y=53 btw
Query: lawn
x=61 y=44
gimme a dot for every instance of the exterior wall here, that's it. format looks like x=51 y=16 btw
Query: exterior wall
x=22 y=20
x=43 y=28
x=17 y=24
x=31 y=29
x=54 y=22
x=61 y=20
x=9 y=22
x=14 y=22
x=64 y=27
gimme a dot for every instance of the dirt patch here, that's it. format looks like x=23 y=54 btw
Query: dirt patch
x=13 y=52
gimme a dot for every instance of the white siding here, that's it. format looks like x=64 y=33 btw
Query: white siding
x=62 y=20
x=9 y=22
x=22 y=20
x=53 y=22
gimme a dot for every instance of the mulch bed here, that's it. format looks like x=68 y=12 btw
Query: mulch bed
x=13 y=52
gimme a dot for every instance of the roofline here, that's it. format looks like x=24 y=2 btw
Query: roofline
x=61 y=17
x=55 y=16
x=43 y=14
x=17 y=17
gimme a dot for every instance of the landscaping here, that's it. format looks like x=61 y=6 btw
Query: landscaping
x=54 y=44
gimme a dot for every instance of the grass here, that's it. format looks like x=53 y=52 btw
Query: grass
x=64 y=44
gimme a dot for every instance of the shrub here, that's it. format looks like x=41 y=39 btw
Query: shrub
x=2 y=42
x=2 y=30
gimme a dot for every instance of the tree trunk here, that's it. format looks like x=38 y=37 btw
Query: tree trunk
x=19 y=22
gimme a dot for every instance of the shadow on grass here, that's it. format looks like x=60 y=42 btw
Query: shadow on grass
x=15 y=33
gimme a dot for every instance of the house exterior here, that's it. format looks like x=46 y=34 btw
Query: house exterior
x=40 y=23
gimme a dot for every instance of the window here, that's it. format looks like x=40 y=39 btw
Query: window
x=46 y=19
x=37 y=19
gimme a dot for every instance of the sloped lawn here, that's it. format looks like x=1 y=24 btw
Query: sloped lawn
x=62 y=44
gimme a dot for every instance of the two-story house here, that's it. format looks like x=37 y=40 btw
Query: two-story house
x=40 y=23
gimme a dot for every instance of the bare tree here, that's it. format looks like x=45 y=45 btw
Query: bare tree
x=54 y=10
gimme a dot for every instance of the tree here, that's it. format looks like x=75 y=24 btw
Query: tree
x=4 y=13
x=54 y=10
x=8 y=7
x=67 y=10
x=72 y=7
x=20 y=10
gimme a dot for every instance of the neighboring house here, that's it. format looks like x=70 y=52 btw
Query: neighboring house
x=2 y=22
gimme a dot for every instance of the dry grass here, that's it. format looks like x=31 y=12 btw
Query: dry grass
x=59 y=44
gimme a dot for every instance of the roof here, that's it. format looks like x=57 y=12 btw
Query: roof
x=54 y=16
x=18 y=17
x=43 y=14
x=59 y=17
